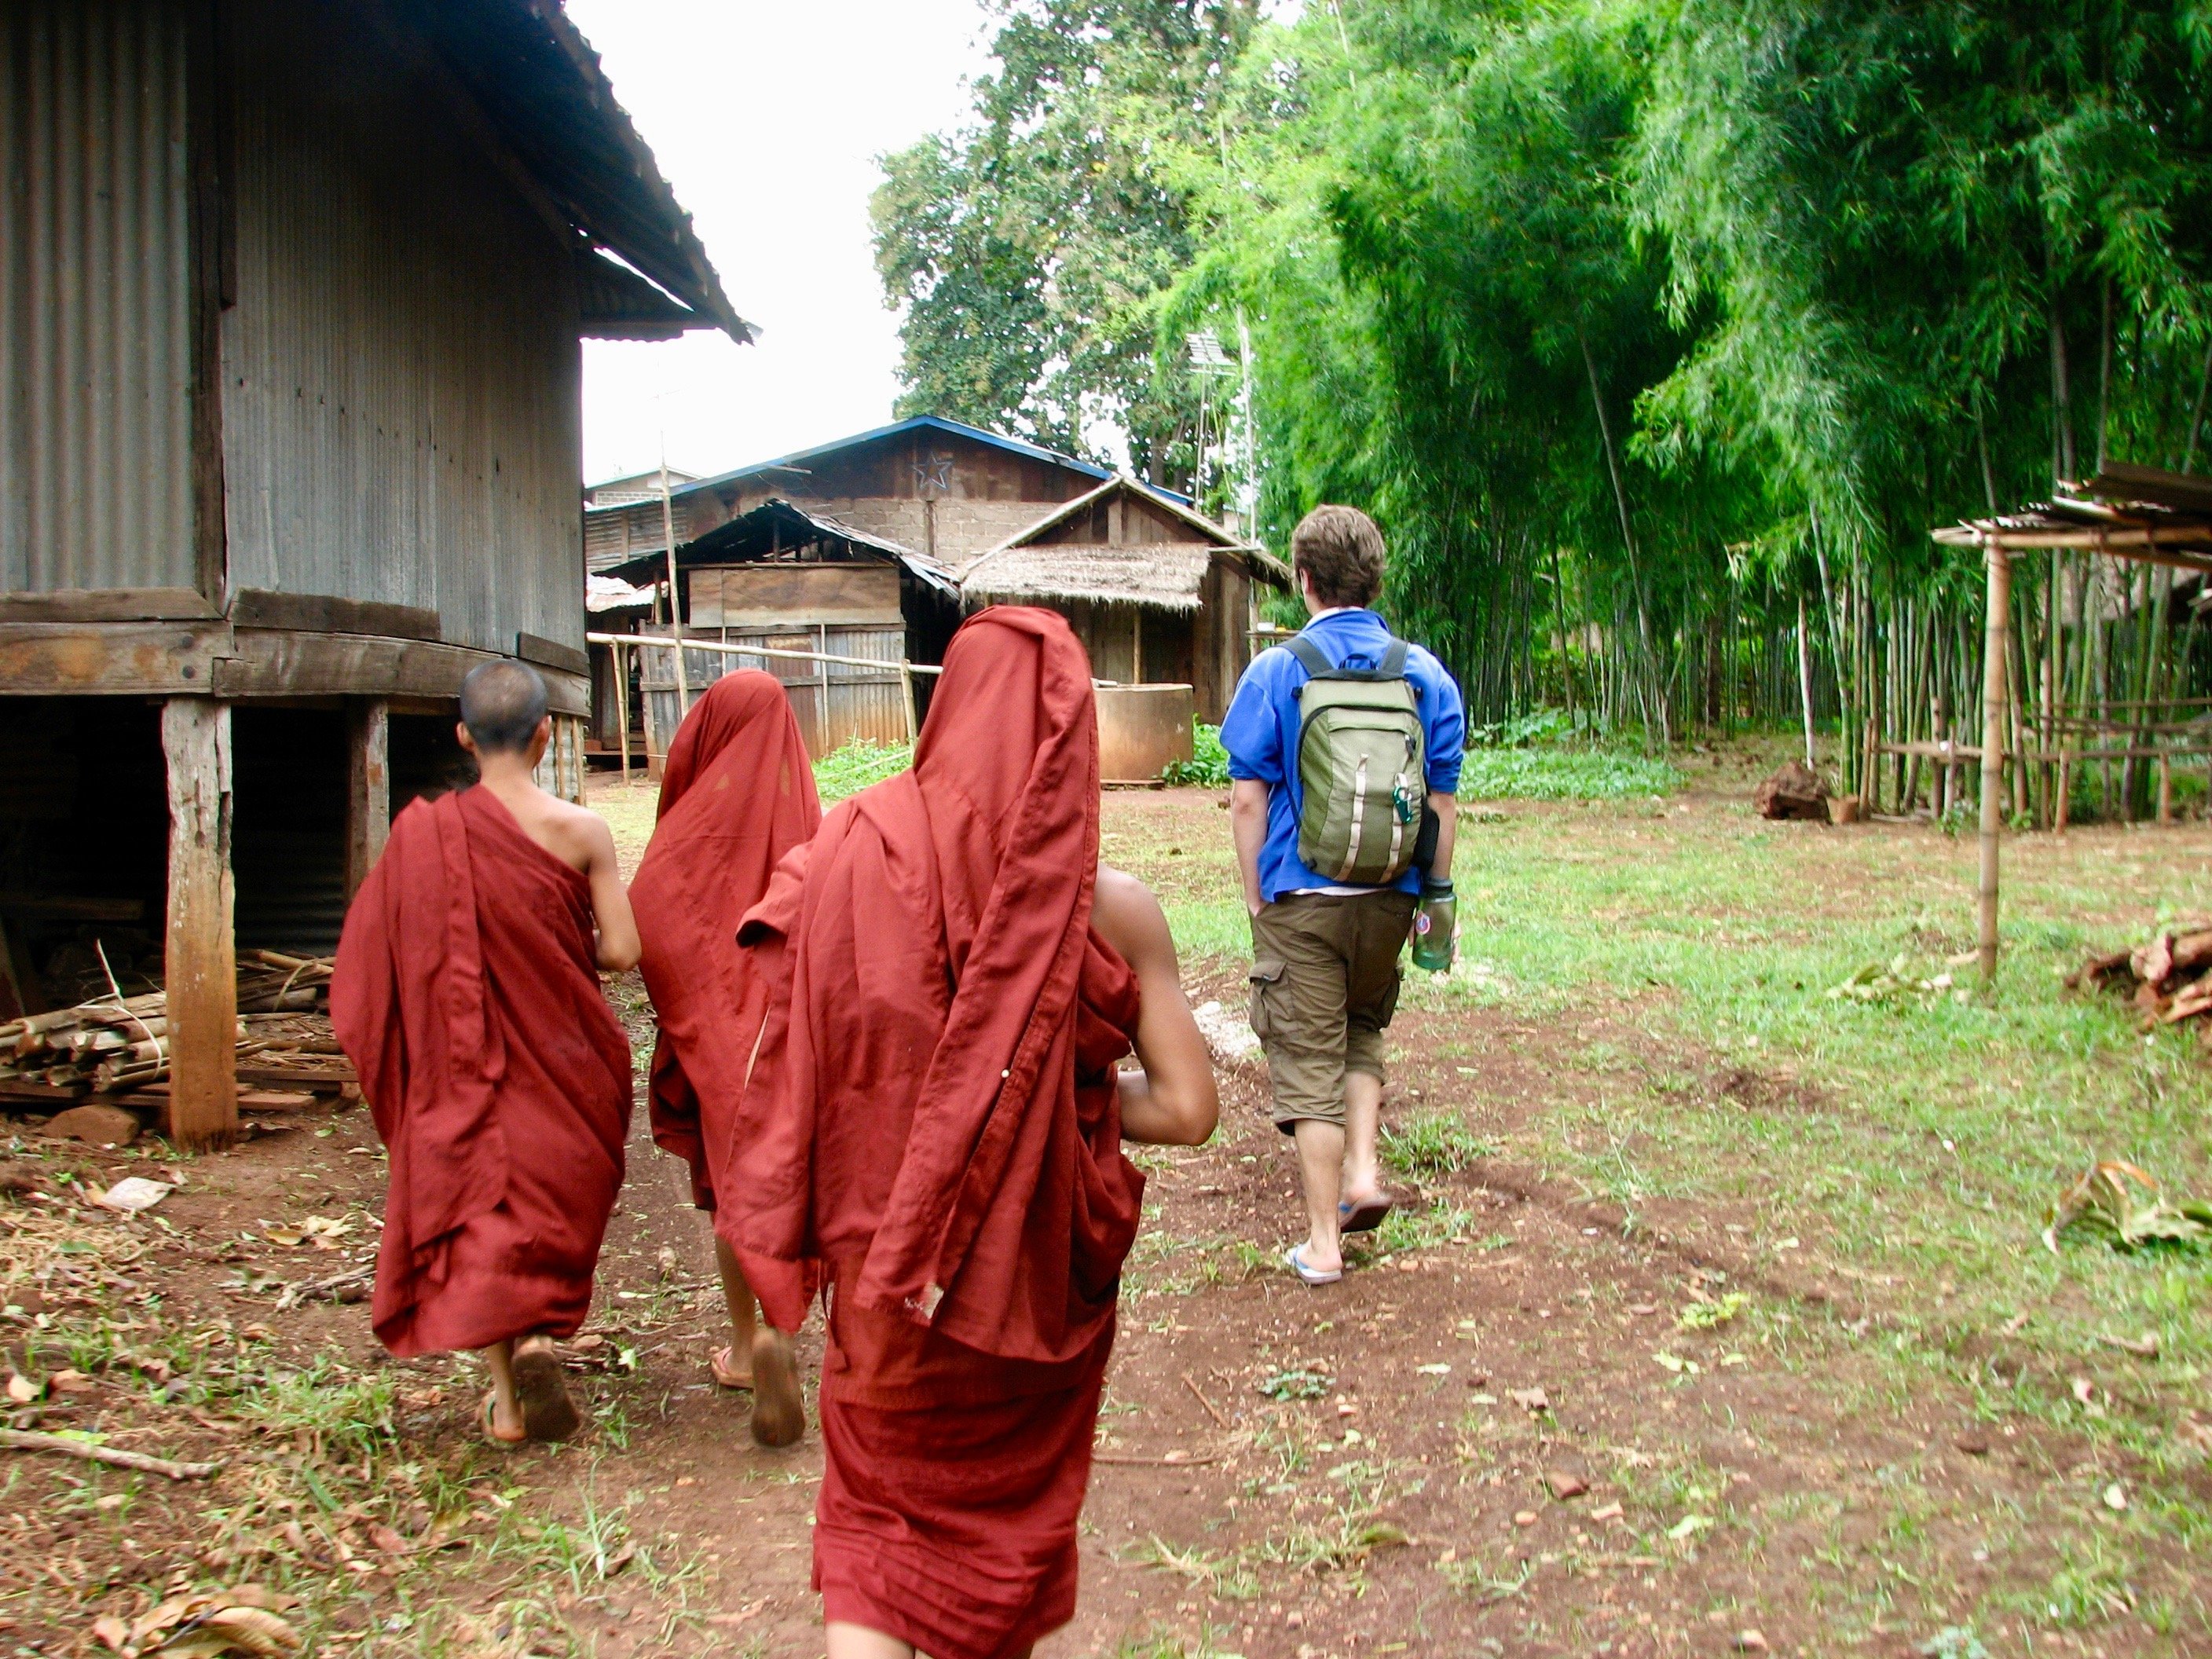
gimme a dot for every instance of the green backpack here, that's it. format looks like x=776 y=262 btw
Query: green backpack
x=1360 y=766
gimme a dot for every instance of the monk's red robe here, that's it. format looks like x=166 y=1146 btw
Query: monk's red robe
x=737 y=794
x=466 y=995
x=931 y=1128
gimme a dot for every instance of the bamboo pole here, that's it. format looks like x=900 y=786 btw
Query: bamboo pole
x=1804 y=678
x=674 y=592
x=622 y=709
x=1995 y=625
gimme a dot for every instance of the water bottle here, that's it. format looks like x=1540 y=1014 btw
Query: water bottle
x=1434 y=924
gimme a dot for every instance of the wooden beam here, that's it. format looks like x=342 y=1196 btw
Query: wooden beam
x=369 y=788
x=106 y=604
x=1997 y=625
x=270 y=663
x=552 y=654
x=128 y=658
x=199 y=964
x=326 y=613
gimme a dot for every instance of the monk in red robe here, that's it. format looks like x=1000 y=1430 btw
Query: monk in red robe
x=737 y=795
x=932 y=1132
x=466 y=995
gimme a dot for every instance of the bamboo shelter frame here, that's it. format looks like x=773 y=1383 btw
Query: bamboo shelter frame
x=2134 y=514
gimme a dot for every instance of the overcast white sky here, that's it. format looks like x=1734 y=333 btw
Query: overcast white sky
x=767 y=119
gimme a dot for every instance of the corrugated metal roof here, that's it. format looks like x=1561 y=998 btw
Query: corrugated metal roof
x=541 y=84
x=95 y=341
x=798 y=458
x=775 y=524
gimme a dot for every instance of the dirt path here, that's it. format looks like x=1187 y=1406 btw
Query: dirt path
x=1526 y=1424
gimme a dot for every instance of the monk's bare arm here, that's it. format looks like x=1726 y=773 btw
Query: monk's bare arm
x=1173 y=1101
x=618 y=943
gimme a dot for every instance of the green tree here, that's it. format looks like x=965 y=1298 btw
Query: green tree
x=1028 y=253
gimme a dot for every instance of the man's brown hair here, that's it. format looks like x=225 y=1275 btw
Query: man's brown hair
x=1341 y=550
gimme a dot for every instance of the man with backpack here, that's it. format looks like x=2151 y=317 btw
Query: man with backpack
x=1344 y=749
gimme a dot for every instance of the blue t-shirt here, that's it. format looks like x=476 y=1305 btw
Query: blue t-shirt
x=1260 y=732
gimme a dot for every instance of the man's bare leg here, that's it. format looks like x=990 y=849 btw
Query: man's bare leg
x=733 y=1367
x=1320 y=1173
x=859 y=1642
x=1363 y=1119
x=504 y=1422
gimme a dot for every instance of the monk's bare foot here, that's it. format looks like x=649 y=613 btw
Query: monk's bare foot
x=502 y=1428
x=548 y=1413
x=723 y=1363
x=779 y=1414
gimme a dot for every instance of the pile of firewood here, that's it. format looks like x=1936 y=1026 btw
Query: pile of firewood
x=121 y=1043
x=2170 y=979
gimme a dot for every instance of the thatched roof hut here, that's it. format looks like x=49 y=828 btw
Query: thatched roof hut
x=1157 y=593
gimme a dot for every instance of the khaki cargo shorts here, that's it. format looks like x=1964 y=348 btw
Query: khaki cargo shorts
x=1324 y=985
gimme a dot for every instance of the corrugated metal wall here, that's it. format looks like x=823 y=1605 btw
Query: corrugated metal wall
x=402 y=375
x=834 y=703
x=95 y=297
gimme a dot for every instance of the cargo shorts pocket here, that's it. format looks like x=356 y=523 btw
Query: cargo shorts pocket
x=1267 y=992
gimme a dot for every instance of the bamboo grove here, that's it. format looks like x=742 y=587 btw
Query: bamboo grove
x=1658 y=333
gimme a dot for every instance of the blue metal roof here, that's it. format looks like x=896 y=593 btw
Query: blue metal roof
x=798 y=458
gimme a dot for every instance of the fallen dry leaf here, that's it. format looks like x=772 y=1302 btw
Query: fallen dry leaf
x=1607 y=1512
x=70 y=1383
x=1530 y=1400
x=111 y=1631
x=21 y=1389
x=1750 y=1641
x=1525 y=1518
x=384 y=1538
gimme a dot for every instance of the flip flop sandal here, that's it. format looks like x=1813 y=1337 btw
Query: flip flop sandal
x=491 y=1421
x=723 y=1363
x=1295 y=1256
x=1362 y=1216
x=548 y=1413
x=779 y=1412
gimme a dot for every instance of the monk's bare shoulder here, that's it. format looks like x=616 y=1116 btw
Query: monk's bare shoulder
x=1129 y=918
x=585 y=839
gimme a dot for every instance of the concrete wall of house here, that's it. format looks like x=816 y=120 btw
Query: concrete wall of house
x=95 y=297
x=400 y=370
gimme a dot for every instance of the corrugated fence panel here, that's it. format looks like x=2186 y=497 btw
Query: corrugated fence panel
x=95 y=294
x=401 y=371
x=866 y=702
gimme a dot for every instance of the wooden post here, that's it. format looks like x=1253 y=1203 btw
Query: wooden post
x=1996 y=627
x=2065 y=792
x=368 y=787
x=674 y=592
x=200 y=963
x=622 y=708
x=2166 y=789
x=906 y=686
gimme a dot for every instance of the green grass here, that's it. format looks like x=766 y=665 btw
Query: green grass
x=1564 y=774
x=862 y=761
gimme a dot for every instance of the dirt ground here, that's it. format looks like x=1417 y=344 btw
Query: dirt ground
x=1533 y=1420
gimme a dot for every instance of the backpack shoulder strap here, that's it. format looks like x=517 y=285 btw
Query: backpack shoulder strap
x=1310 y=654
x=1394 y=661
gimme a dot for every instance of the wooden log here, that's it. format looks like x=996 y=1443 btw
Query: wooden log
x=200 y=973
x=1996 y=626
x=368 y=787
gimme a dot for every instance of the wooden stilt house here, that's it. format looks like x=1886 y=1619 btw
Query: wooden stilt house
x=291 y=300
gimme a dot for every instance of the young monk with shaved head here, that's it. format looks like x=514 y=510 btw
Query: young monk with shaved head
x=466 y=995
x=933 y=1131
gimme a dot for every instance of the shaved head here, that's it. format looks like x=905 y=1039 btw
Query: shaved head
x=502 y=704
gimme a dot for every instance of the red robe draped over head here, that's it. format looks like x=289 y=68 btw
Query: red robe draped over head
x=466 y=995
x=737 y=795
x=931 y=1125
